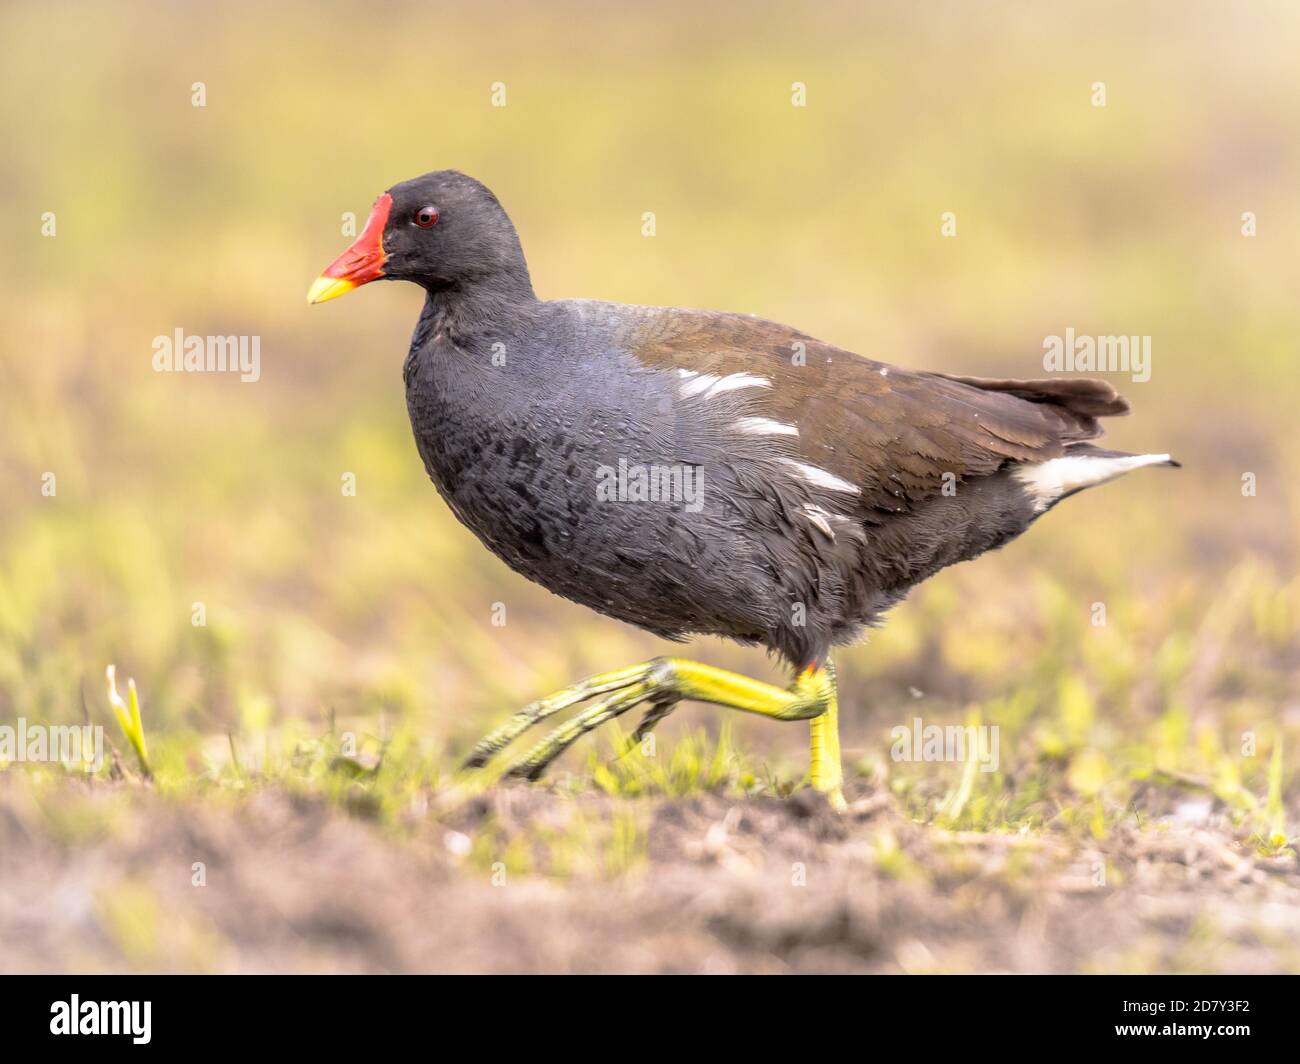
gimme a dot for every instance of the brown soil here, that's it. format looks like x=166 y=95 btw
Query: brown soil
x=101 y=880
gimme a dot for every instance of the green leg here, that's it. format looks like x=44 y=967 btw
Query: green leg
x=664 y=682
x=825 y=772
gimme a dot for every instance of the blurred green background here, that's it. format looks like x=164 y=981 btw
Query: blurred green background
x=181 y=489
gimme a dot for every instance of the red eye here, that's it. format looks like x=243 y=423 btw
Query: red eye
x=426 y=217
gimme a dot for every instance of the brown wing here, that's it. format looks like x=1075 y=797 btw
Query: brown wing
x=892 y=432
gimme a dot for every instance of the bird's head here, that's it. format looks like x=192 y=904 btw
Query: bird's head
x=443 y=230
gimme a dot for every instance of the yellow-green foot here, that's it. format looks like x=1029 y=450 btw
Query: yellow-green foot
x=661 y=684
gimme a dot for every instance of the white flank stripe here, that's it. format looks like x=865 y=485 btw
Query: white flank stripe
x=818 y=517
x=709 y=384
x=822 y=479
x=1048 y=481
x=765 y=426
x=697 y=383
x=733 y=381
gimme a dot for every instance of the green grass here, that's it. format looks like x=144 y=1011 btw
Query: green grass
x=1070 y=763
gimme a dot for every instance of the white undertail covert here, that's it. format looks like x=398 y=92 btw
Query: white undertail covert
x=1048 y=481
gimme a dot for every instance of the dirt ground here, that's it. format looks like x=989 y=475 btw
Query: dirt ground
x=104 y=879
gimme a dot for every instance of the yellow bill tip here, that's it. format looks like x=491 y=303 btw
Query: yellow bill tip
x=324 y=288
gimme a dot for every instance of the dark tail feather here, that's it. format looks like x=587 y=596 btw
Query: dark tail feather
x=1088 y=398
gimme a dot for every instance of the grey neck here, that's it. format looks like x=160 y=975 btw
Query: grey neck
x=480 y=305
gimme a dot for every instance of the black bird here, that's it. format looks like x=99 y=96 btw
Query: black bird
x=694 y=471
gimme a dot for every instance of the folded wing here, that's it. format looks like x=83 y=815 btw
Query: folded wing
x=892 y=433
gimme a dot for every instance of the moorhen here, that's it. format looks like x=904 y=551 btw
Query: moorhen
x=692 y=471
